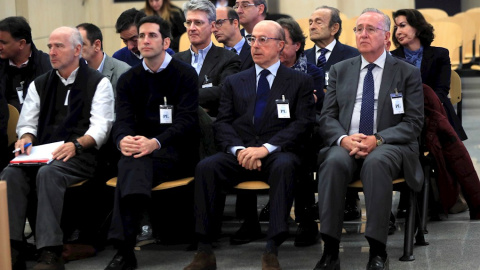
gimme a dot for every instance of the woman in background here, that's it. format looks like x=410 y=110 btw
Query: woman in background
x=170 y=13
x=413 y=35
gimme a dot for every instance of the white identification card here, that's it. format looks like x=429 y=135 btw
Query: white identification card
x=166 y=112
x=66 y=98
x=397 y=103
x=326 y=78
x=20 y=94
x=283 y=110
x=207 y=85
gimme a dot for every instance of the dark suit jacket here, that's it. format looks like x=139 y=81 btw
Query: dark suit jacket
x=339 y=53
x=436 y=71
x=112 y=69
x=218 y=64
x=246 y=57
x=234 y=124
x=400 y=129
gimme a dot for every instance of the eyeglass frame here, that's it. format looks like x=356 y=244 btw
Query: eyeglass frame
x=188 y=24
x=244 y=5
x=222 y=21
x=372 y=28
x=250 y=42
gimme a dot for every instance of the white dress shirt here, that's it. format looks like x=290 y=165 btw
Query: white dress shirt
x=102 y=111
x=329 y=47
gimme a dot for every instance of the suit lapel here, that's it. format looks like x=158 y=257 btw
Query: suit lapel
x=386 y=86
x=427 y=60
x=249 y=85
x=349 y=92
x=208 y=63
x=108 y=68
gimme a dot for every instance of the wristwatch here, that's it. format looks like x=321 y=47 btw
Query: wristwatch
x=379 y=139
x=78 y=147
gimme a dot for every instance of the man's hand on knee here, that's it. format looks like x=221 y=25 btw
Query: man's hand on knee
x=250 y=158
x=64 y=152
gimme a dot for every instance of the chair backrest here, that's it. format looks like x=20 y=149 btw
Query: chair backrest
x=184 y=42
x=468 y=31
x=455 y=88
x=304 y=25
x=348 y=36
x=448 y=35
x=5 y=257
x=433 y=13
x=12 y=124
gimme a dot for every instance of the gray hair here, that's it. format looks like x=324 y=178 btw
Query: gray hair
x=201 y=5
x=385 y=17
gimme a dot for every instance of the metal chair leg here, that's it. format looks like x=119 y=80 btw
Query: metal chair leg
x=409 y=230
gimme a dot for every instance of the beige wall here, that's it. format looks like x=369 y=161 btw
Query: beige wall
x=46 y=15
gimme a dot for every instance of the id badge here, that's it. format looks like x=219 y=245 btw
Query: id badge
x=326 y=78
x=397 y=102
x=283 y=109
x=207 y=83
x=20 y=92
x=166 y=113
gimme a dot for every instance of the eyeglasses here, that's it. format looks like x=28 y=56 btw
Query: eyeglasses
x=370 y=30
x=197 y=23
x=219 y=22
x=243 y=5
x=261 y=40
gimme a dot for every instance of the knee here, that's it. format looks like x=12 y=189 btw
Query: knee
x=337 y=158
x=48 y=177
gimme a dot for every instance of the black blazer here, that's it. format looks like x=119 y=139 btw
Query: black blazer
x=339 y=53
x=436 y=71
x=246 y=57
x=218 y=64
x=234 y=124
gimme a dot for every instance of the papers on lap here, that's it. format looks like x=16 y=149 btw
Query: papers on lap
x=40 y=154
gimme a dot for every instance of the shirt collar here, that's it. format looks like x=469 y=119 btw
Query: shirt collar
x=380 y=62
x=139 y=56
x=203 y=52
x=238 y=47
x=329 y=47
x=273 y=68
x=24 y=64
x=100 y=68
x=70 y=78
x=163 y=66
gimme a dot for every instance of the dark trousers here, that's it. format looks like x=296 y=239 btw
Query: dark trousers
x=376 y=171
x=215 y=175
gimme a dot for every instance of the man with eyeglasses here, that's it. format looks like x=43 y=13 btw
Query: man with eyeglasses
x=213 y=64
x=227 y=31
x=250 y=13
x=325 y=29
x=371 y=118
x=266 y=114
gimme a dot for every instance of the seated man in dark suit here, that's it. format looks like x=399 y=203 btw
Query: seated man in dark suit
x=213 y=64
x=227 y=31
x=156 y=131
x=71 y=103
x=371 y=132
x=266 y=114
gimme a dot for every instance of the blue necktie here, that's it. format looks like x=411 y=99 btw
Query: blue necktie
x=321 y=59
x=368 y=101
x=262 y=95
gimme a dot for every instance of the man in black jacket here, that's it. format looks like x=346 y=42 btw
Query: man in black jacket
x=20 y=61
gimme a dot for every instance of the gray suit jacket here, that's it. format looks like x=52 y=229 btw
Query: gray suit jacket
x=218 y=64
x=112 y=69
x=400 y=129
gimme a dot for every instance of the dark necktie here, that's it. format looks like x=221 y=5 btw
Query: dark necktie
x=368 y=101
x=233 y=50
x=261 y=101
x=321 y=59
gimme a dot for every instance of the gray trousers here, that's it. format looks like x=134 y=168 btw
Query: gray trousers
x=338 y=169
x=51 y=181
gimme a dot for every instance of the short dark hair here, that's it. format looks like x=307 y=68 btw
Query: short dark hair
x=264 y=3
x=296 y=33
x=128 y=18
x=334 y=18
x=232 y=14
x=18 y=28
x=163 y=25
x=93 y=33
x=416 y=20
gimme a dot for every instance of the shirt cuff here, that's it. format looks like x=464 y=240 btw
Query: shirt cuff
x=340 y=139
x=270 y=148
x=233 y=150
x=159 y=144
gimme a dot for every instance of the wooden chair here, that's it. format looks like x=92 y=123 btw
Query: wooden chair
x=449 y=35
x=468 y=31
x=410 y=224
x=5 y=255
x=433 y=13
x=252 y=185
x=348 y=36
x=305 y=26
x=456 y=92
x=165 y=185
x=184 y=43
x=12 y=124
